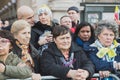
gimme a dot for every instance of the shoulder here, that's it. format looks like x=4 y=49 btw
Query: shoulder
x=13 y=59
x=34 y=51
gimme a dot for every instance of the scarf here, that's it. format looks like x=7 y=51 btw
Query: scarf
x=25 y=55
x=79 y=41
x=69 y=62
x=110 y=51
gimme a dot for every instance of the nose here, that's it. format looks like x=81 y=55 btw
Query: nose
x=85 y=33
x=28 y=35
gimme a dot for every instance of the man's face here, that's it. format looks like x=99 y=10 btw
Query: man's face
x=73 y=15
x=66 y=21
x=29 y=17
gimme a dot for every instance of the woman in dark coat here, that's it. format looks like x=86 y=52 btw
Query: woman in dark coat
x=84 y=35
x=105 y=51
x=64 y=59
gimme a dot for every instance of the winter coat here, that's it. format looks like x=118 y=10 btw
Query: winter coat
x=37 y=30
x=33 y=53
x=51 y=63
x=99 y=63
x=12 y=70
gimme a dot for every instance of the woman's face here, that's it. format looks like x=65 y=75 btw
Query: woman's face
x=63 y=42
x=24 y=36
x=85 y=33
x=44 y=18
x=106 y=37
x=5 y=46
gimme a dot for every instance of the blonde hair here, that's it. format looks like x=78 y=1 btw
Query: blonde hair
x=19 y=25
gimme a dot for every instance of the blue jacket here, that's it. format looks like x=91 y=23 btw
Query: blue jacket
x=101 y=64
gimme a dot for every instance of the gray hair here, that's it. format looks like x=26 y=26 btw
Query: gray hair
x=44 y=8
x=112 y=25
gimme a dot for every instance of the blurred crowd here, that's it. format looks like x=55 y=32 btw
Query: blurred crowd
x=67 y=48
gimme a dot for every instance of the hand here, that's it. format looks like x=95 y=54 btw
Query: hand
x=83 y=73
x=2 y=67
x=104 y=73
x=78 y=74
x=116 y=65
x=49 y=38
x=42 y=40
x=36 y=76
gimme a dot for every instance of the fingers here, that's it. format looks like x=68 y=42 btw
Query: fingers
x=104 y=73
x=36 y=76
x=116 y=65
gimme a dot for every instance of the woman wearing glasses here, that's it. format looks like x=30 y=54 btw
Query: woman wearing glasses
x=10 y=65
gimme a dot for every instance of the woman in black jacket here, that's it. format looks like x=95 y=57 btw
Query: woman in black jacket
x=64 y=59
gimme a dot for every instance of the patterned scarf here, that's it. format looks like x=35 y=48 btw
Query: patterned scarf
x=69 y=62
x=25 y=55
x=106 y=51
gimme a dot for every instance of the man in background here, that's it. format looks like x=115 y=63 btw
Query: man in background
x=74 y=14
x=25 y=13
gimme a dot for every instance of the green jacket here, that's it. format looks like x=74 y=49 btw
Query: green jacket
x=14 y=71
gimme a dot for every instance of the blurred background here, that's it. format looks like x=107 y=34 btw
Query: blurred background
x=90 y=10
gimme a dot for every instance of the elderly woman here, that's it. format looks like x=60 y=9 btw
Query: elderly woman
x=41 y=32
x=11 y=66
x=64 y=59
x=25 y=50
x=84 y=35
x=105 y=51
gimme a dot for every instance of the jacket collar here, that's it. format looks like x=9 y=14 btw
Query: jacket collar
x=74 y=48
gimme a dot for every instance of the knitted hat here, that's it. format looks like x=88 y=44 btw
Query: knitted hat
x=44 y=8
x=73 y=8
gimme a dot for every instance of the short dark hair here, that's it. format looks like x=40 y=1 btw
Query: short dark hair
x=73 y=8
x=6 y=34
x=60 y=30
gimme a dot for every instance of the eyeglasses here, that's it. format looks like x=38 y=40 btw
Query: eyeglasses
x=3 y=41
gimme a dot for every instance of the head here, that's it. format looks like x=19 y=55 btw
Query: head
x=21 y=30
x=84 y=31
x=26 y=13
x=45 y=14
x=73 y=12
x=6 y=23
x=66 y=21
x=7 y=42
x=62 y=37
x=106 y=32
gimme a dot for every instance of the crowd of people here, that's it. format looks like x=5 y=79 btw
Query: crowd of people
x=68 y=49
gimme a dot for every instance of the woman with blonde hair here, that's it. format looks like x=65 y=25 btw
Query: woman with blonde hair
x=25 y=50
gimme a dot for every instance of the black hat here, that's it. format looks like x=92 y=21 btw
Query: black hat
x=73 y=8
